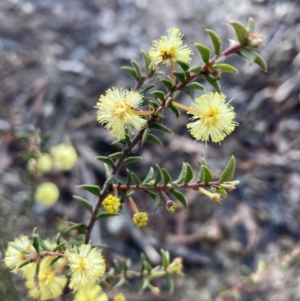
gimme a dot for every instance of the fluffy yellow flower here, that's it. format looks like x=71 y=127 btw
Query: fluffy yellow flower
x=212 y=118
x=169 y=48
x=47 y=194
x=43 y=163
x=14 y=258
x=111 y=204
x=50 y=285
x=117 y=110
x=86 y=264
x=64 y=156
x=93 y=293
x=140 y=219
x=119 y=297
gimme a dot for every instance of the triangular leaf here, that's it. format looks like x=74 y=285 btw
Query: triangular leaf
x=215 y=39
x=203 y=51
x=180 y=197
x=228 y=172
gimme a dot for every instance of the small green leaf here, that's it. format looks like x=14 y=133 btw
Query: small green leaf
x=132 y=159
x=166 y=176
x=94 y=189
x=190 y=90
x=159 y=94
x=189 y=174
x=179 y=75
x=221 y=59
x=154 y=139
x=215 y=39
x=260 y=62
x=184 y=66
x=203 y=51
x=158 y=175
x=213 y=83
x=247 y=54
x=106 y=160
x=131 y=72
x=225 y=68
x=152 y=194
x=145 y=136
x=102 y=215
x=76 y=226
x=222 y=192
x=167 y=83
x=240 y=31
x=197 y=70
x=128 y=178
x=180 y=197
x=196 y=86
x=182 y=174
x=203 y=161
x=87 y=205
x=146 y=59
x=137 y=68
x=175 y=110
x=117 y=155
x=157 y=203
x=228 y=172
x=200 y=177
x=251 y=25
x=145 y=88
x=161 y=127
x=170 y=282
x=165 y=255
x=208 y=176
x=151 y=69
x=116 y=266
x=146 y=282
x=109 y=179
x=136 y=179
x=149 y=176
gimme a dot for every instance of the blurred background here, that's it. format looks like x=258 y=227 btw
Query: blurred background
x=57 y=57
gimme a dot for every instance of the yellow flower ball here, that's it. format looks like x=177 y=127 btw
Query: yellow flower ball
x=47 y=194
x=64 y=156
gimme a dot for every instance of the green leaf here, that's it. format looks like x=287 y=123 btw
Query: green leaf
x=225 y=68
x=170 y=282
x=190 y=90
x=200 y=177
x=157 y=203
x=196 y=86
x=208 y=176
x=251 y=25
x=117 y=155
x=137 y=68
x=159 y=94
x=184 y=66
x=154 y=139
x=116 y=266
x=167 y=83
x=87 y=205
x=228 y=172
x=132 y=159
x=136 y=179
x=149 y=176
x=131 y=72
x=94 y=189
x=175 y=185
x=222 y=192
x=203 y=161
x=182 y=174
x=215 y=39
x=109 y=179
x=260 y=62
x=152 y=194
x=166 y=176
x=76 y=226
x=158 y=175
x=165 y=255
x=220 y=59
x=189 y=174
x=146 y=58
x=129 y=177
x=240 y=31
x=161 y=127
x=175 y=110
x=145 y=88
x=102 y=215
x=180 y=197
x=151 y=69
x=106 y=160
x=145 y=135
x=213 y=83
x=247 y=54
x=203 y=51
x=197 y=70
x=179 y=75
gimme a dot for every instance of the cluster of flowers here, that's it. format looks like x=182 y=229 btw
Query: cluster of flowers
x=45 y=271
x=61 y=157
x=120 y=109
